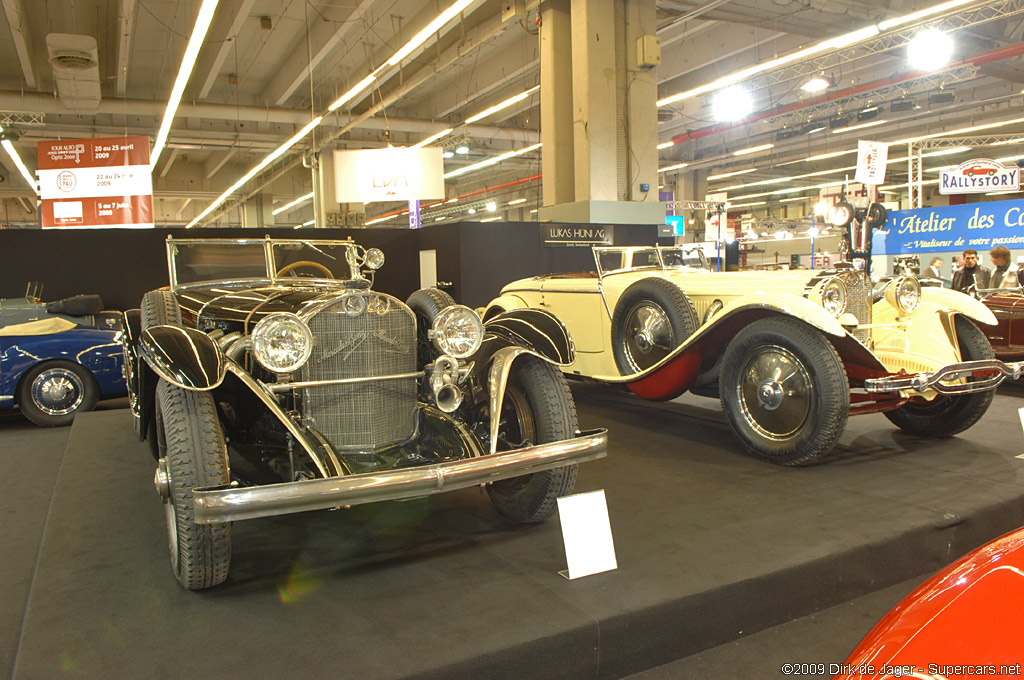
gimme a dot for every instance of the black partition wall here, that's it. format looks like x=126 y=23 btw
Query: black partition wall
x=121 y=265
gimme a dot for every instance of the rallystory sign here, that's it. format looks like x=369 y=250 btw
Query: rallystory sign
x=979 y=176
x=956 y=227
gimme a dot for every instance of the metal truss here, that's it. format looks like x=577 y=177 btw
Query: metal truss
x=925 y=83
x=915 y=158
x=8 y=118
x=954 y=20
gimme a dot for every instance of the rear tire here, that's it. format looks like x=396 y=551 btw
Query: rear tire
x=53 y=392
x=192 y=455
x=947 y=415
x=538 y=408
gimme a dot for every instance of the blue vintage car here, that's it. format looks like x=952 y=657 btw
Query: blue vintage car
x=58 y=358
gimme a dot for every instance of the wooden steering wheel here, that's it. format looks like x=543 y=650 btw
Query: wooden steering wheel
x=289 y=268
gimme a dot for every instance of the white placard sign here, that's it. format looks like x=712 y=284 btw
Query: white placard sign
x=979 y=176
x=392 y=174
x=872 y=158
x=587 y=533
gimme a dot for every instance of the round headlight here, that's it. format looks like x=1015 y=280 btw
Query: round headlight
x=281 y=342
x=841 y=214
x=457 y=331
x=833 y=297
x=374 y=258
x=904 y=293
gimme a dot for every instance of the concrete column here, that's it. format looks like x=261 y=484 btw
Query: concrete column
x=556 y=103
x=594 y=100
x=641 y=104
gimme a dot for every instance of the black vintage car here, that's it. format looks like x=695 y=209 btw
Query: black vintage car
x=270 y=378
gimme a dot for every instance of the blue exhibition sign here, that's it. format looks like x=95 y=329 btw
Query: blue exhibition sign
x=955 y=227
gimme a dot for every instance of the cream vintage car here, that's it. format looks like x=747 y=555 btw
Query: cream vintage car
x=790 y=354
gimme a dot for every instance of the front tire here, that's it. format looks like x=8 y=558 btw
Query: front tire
x=192 y=455
x=784 y=390
x=538 y=408
x=947 y=415
x=53 y=392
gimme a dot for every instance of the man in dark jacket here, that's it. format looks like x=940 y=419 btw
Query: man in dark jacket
x=971 y=273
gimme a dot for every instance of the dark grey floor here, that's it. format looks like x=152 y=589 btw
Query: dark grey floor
x=724 y=562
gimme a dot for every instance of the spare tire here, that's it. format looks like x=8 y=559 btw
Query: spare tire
x=652 y=318
x=426 y=304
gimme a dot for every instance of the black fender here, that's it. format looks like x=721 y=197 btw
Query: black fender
x=535 y=330
x=183 y=356
x=139 y=378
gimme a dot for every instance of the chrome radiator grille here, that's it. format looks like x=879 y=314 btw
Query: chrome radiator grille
x=858 y=300
x=372 y=337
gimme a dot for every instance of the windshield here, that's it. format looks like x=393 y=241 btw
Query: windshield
x=610 y=259
x=202 y=260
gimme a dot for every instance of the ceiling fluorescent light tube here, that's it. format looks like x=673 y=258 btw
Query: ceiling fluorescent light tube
x=677 y=166
x=503 y=105
x=433 y=27
x=432 y=138
x=665 y=145
x=359 y=87
x=188 y=61
x=752 y=149
x=300 y=199
x=13 y=153
x=490 y=161
x=731 y=174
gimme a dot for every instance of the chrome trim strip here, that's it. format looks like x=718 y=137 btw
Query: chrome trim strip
x=924 y=381
x=546 y=290
x=259 y=389
x=497 y=379
x=284 y=387
x=229 y=504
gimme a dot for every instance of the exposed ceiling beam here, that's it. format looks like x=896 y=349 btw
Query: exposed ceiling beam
x=125 y=24
x=230 y=19
x=171 y=157
x=217 y=162
x=19 y=33
x=324 y=38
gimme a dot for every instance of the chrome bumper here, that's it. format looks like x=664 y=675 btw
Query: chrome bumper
x=924 y=381
x=229 y=503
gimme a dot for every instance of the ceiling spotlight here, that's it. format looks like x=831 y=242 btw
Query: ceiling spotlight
x=929 y=50
x=812 y=127
x=462 y=149
x=902 y=105
x=786 y=133
x=868 y=114
x=732 y=103
x=448 y=153
x=491 y=206
x=838 y=122
x=941 y=97
x=815 y=84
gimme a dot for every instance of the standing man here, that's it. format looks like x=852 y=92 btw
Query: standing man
x=934 y=269
x=1005 y=273
x=971 y=273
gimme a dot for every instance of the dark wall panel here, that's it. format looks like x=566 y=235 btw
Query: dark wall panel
x=121 y=265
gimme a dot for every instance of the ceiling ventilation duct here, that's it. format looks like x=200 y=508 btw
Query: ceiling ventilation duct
x=76 y=73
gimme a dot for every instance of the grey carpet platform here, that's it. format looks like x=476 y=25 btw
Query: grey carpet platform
x=712 y=545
